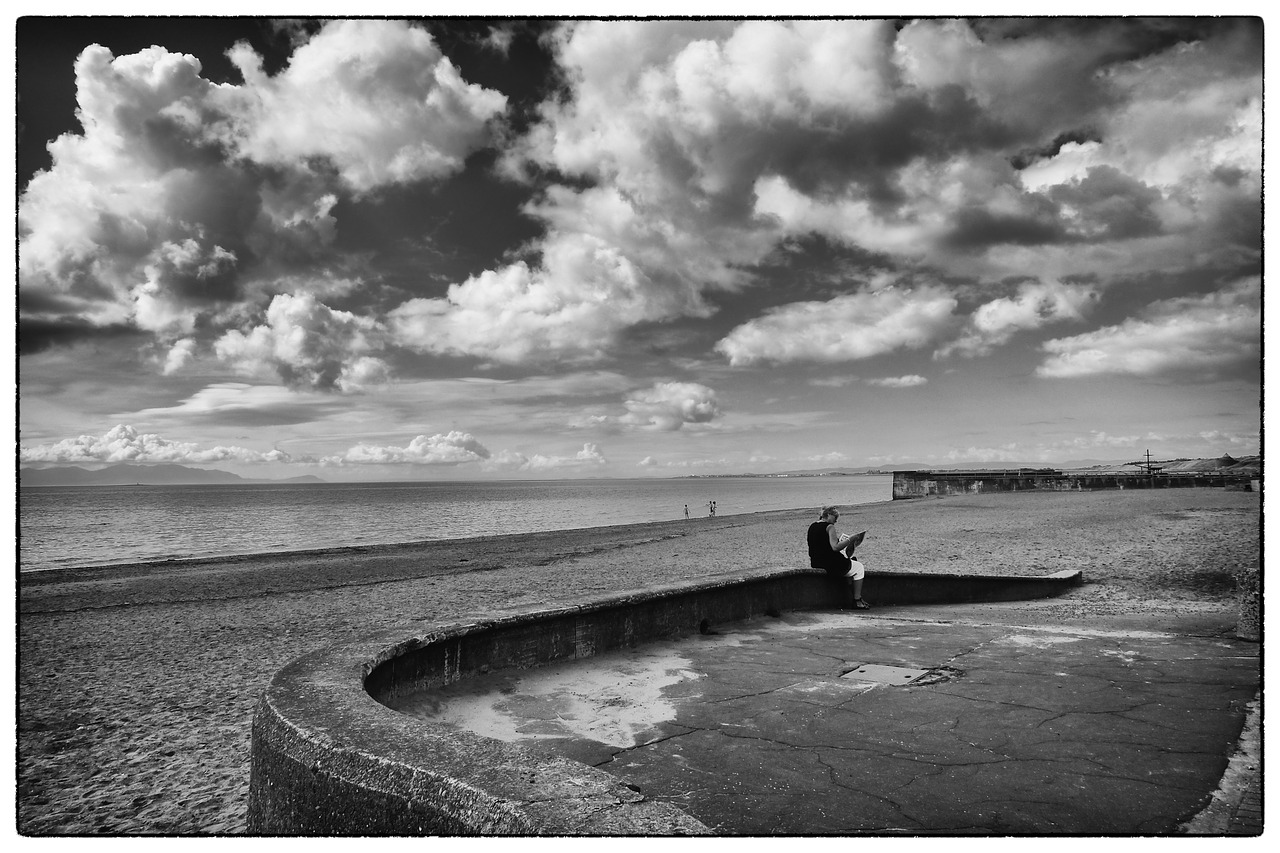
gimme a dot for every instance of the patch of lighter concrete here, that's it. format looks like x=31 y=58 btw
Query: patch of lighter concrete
x=614 y=698
x=1034 y=642
x=838 y=688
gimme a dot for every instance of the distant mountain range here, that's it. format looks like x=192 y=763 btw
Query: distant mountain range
x=125 y=474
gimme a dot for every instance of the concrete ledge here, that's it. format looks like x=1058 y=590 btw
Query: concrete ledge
x=328 y=759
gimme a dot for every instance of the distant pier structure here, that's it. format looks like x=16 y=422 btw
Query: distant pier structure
x=1244 y=474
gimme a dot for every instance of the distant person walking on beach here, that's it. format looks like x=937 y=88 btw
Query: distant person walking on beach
x=686 y=510
x=833 y=551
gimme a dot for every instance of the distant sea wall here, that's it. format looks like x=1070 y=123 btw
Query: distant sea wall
x=922 y=484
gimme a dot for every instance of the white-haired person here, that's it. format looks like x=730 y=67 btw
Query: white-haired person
x=832 y=551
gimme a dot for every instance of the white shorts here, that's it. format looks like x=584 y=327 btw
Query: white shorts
x=855 y=571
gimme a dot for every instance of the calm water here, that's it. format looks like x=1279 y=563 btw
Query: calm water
x=103 y=525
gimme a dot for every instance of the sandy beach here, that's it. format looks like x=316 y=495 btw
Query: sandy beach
x=137 y=685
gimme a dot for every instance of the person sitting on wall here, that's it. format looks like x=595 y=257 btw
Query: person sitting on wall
x=833 y=551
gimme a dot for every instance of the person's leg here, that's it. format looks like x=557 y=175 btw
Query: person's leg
x=856 y=574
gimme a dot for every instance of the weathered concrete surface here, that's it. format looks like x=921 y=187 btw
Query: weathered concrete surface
x=327 y=759
x=1106 y=726
x=1249 y=602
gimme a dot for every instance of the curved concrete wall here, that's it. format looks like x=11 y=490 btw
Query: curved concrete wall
x=327 y=758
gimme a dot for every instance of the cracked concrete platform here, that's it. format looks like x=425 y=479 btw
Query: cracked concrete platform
x=1104 y=726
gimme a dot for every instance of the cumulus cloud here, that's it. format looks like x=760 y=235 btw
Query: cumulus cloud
x=309 y=345
x=1133 y=142
x=375 y=99
x=909 y=381
x=573 y=305
x=672 y=123
x=668 y=406
x=1035 y=304
x=1196 y=334
x=671 y=165
x=452 y=448
x=849 y=327
x=123 y=443
x=590 y=456
x=181 y=200
x=179 y=354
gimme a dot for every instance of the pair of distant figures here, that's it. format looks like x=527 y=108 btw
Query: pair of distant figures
x=711 y=509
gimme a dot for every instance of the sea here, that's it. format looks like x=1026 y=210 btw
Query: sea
x=89 y=526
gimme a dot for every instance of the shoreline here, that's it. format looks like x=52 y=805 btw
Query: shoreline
x=376 y=548
x=136 y=686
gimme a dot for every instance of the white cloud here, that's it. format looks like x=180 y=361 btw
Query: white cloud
x=240 y=403
x=123 y=443
x=179 y=354
x=833 y=381
x=184 y=202
x=1007 y=77
x=846 y=328
x=309 y=345
x=1198 y=334
x=573 y=305
x=452 y=448
x=668 y=406
x=909 y=381
x=672 y=121
x=1035 y=304
x=375 y=98
x=590 y=456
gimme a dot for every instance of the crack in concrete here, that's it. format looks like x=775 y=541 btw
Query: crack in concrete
x=741 y=696
x=832 y=774
x=639 y=746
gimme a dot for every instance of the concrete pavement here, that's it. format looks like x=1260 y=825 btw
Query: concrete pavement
x=951 y=719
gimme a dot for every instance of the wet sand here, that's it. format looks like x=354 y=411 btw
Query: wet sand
x=137 y=685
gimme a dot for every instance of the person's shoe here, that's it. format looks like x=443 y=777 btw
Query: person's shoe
x=859 y=604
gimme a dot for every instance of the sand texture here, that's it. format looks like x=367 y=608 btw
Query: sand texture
x=136 y=685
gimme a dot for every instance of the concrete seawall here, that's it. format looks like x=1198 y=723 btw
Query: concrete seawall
x=328 y=758
x=921 y=484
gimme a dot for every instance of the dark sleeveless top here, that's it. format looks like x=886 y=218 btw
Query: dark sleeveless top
x=820 y=554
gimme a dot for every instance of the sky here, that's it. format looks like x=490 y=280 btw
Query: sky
x=450 y=249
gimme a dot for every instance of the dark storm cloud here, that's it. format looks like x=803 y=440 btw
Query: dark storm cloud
x=1127 y=38
x=978 y=228
x=1114 y=205
x=1027 y=156
x=39 y=335
x=868 y=152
